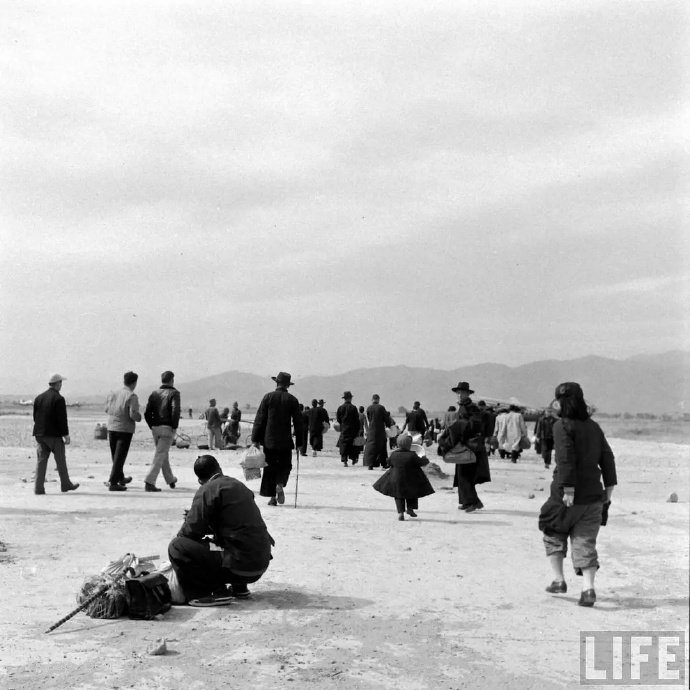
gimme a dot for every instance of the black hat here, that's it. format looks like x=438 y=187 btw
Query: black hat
x=347 y=395
x=283 y=379
x=462 y=386
x=321 y=401
x=568 y=389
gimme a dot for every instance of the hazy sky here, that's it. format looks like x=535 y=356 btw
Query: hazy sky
x=320 y=186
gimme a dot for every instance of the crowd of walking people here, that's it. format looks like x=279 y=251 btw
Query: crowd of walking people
x=467 y=437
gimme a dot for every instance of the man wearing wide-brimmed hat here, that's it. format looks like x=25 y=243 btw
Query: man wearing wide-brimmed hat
x=348 y=418
x=276 y=420
x=52 y=435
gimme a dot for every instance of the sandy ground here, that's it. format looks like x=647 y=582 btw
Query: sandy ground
x=353 y=598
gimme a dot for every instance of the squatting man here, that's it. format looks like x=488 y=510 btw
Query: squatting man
x=223 y=513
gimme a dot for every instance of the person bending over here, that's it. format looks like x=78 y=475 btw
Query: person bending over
x=223 y=512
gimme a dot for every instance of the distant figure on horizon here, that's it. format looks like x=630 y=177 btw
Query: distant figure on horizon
x=162 y=414
x=191 y=412
x=578 y=504
x=375 y=447
x=277 y=416
x=214 y=426
x=304 y=411
x=52 y=435
x=123 y=413
x=416 y=421
x=348 y=418
x=318 y=417
x=512 y=431
x=543 y=432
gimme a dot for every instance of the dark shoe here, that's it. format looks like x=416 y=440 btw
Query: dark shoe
x=151 y=487
x=240 y=592
x=401 y=517
x=471 y=509
x=557 y=587
x=71 y=487
x=280 y=494
x=479 y=505
x=173 y=483
x=411 y=513
x=40 y=493
x=212 y=600
x=354 y=462
x=464 y=506
x=273 y=502
x=117 y=487
x=371 y=467
x=125 y=480
x=587 y=598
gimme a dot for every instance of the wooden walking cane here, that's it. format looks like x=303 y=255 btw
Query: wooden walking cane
x=296 y=476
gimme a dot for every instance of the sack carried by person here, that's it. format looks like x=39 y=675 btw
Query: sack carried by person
x=326 y=426
x=393 y=431
x=524 y=443
x=254 y=459
x=358 y=442
x=148 y=595
x=460 y=454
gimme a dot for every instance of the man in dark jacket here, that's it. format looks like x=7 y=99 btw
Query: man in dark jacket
x=304 y=411
x=543 y=431
x=375 y=448
x=317 y=417
x=52 y=435
x=273 y=430
x=416 y=421
x=347 y=416
x=163 y=417
x=224 y=508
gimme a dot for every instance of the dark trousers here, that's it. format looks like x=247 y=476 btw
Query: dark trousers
x=200 y=570
x=119 y=447
x=514 y=455
x=546 y=450
x=316 y=441
x=277 y=470
x=348 y=451
x=412 y=504
x=467 y=492
x=45 y=445
x=376 y=454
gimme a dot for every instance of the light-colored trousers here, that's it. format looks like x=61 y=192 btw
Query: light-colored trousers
x=214 y=435
x=163 y=438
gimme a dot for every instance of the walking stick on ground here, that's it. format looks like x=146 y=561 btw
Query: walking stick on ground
x=296 y=476
x=100 y=592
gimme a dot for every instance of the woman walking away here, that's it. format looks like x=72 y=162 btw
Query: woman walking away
x=578 y=504
x=405 y=480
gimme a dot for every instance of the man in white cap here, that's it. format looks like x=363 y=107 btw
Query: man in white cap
x=52 y=435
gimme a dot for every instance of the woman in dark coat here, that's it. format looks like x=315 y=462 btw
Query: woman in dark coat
x=404 y=480
x=575 y=508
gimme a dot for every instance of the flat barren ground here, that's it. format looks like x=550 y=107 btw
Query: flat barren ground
x=353 y=598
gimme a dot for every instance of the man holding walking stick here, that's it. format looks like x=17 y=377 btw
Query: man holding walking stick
x=277 y=416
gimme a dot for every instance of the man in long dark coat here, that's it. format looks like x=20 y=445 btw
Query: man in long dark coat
x=375 y=448
x=273 y=430
x=348 y=418
x=317 y=417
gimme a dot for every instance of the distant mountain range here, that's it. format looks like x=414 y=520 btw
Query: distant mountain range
x=644 y=383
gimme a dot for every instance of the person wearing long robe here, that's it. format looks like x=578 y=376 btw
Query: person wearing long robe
x=375 y=447
x=348 y=418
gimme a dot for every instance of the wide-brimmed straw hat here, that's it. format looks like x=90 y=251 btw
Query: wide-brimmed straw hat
x=56 y=378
